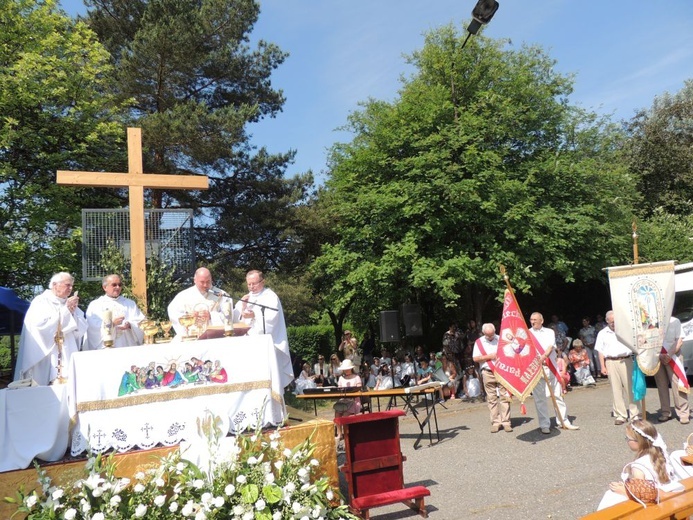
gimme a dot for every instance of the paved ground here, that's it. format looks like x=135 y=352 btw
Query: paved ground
x=475 y=474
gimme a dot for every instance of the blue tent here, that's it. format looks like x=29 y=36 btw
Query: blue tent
x=12 y=311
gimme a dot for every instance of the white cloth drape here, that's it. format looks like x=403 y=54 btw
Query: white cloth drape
x=34 y=423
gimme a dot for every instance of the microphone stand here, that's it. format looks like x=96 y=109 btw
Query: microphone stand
x=262 y=310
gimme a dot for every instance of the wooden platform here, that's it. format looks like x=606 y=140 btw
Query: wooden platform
x=672 y=506
x=130 y=463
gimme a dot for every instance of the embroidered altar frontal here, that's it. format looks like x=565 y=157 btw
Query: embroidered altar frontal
x=148 y=395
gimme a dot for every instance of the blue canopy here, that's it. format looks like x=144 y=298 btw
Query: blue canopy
x=12 y=311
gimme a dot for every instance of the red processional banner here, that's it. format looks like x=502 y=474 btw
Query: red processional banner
x=517 y=365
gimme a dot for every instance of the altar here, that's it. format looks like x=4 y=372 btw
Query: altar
x=155 y=394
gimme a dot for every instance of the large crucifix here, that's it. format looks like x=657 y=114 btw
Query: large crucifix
x=136 y=182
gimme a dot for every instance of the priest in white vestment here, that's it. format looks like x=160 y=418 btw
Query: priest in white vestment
x=267 y=320
x=113 y=318
x=52 y=313
x=202 y=299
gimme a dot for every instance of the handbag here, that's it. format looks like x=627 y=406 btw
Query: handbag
x=342 y=405
x=642 y=490
x=688 y=446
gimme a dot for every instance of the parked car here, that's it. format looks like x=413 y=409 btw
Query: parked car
x=683 y=310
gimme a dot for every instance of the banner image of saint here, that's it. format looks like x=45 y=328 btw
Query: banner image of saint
x=642 y=296
x=517 y=365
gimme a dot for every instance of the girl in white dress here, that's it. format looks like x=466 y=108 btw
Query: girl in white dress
x=305 y=380
x=652 y=461
x=472 y=385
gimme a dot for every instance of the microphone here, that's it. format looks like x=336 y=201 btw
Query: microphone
x=219 y=292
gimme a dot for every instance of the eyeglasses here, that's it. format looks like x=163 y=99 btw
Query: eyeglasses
x=116 y=285
x=630 y=439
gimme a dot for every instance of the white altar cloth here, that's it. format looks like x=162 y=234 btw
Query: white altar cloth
x=34 y=423
x=144 y=417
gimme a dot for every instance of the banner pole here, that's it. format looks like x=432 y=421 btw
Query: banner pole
x=553 y=398
x=636 y=258
x=543 y=372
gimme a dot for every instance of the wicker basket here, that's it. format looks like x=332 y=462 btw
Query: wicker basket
x=689 y=446
x=642 y=490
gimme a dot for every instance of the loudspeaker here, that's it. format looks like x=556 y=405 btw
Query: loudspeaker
x=411 y=316
x=389 y=326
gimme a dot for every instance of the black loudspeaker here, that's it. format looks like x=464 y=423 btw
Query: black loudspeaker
x=389 y=326
x=411 y=316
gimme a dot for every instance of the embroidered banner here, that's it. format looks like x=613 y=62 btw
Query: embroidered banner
x=517 y=365
x=642 y=297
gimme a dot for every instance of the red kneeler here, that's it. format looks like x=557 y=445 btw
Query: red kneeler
x=373 y=465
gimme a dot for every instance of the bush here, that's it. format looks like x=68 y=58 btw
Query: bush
x=308 y=341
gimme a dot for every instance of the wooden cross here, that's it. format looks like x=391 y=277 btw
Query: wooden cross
x=136 y=182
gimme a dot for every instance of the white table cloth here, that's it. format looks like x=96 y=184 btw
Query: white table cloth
x=168 y=415
x=34 y=423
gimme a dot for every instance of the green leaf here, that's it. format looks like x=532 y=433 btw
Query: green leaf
x=250 y=493
x=272 y=493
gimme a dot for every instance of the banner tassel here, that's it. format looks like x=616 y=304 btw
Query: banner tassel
x=523 y=408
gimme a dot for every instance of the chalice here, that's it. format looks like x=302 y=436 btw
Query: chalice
x=166 y=327
x=150 y=330
x=187 y=320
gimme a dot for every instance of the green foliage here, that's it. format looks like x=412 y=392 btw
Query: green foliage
x=666 y=237
x=660 y=153
x=162 y=285
x=194 y=84
x=57 y=113
x=307 y=341
x=5 y=354
x=479 y=162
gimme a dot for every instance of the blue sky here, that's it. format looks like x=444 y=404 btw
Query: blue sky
x=623 y=53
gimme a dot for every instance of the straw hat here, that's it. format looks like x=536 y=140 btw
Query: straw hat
x=346 y=365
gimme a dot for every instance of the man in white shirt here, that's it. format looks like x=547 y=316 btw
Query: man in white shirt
x=616 y=360
x=52 y=318
x=113 y=318
x=673 y=339
x=262 y=310
x=203 y=300
x=497 y=396
x=546 y=339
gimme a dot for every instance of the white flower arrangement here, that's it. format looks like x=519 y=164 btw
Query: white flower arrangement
x=244 y=486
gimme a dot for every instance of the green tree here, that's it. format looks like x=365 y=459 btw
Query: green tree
x=56 y=114
x=196 y=84
x=666 y=236
x=660 y=153
x=480 y=161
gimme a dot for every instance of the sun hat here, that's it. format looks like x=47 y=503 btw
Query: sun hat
x=346 y=365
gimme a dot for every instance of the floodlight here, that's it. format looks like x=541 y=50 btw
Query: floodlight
x=482 y=13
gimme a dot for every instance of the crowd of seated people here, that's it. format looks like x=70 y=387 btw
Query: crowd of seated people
x=458 y=372
x=401 y=369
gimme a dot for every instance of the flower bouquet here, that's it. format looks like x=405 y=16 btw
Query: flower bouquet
x=251 y=476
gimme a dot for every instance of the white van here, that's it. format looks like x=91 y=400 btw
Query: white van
x=683 y=310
